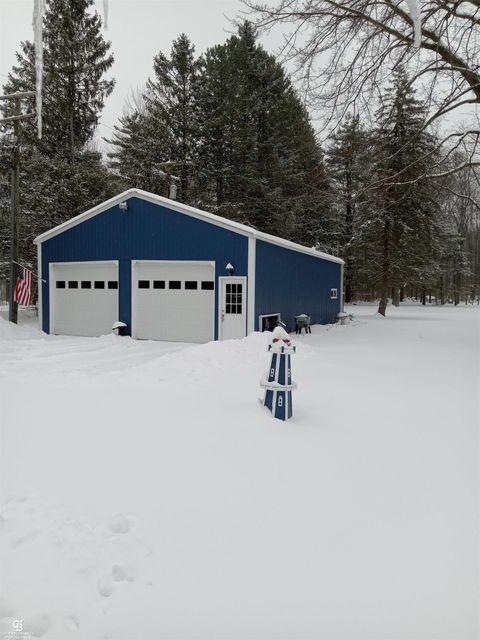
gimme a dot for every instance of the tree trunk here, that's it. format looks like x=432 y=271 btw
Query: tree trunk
x=386 y=270
x=382 y=305
x=349 y=213
x=424 y=298
x=456 y=289
x=396 y=297
x=402 y=294
x=348 y=292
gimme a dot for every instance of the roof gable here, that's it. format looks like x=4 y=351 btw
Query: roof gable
x=179 y=207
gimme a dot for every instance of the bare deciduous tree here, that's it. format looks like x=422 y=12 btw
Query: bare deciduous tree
x=344 y=51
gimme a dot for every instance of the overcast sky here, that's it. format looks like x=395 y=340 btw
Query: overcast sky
x=138 y=29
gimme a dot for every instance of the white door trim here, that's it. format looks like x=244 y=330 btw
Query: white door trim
x=252 y=246
x=221 y=280
x=51 y=298
x=40 y=286
x=52 y=289
x=133 y=313
x=267 y=315
x=79 y=262
x=133 y=301
x=192 y=262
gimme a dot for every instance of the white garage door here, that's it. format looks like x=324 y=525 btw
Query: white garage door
x=174 y=301
x=83 y=298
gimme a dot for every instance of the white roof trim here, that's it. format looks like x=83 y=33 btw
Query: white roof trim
x=187 y=210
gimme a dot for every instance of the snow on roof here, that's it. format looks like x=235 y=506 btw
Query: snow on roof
x=187 y=210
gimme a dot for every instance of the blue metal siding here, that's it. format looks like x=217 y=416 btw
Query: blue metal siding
x=291 y=283
x=146 y=231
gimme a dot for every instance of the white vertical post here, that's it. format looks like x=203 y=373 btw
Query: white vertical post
x=40 y=285
x=341 y=287
x=252 y=245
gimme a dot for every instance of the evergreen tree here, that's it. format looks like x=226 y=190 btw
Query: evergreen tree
x=171 y=101
x=159 y=133
x=136 y=153
x=232 y=128
x=6 y=148
x=61 y=174
x=349 y=163
x=404 y=222
x=258 y=158
x=460 y=218
x=76 y=58
x=53 y=190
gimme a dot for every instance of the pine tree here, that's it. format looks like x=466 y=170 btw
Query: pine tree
x=65 y=190
x=159 y=133
x=76 y=58
x=61 y=174
x=171 y=102
x=53 y=190
x=258 y=157
x=231 y=126
x=349 y=163
x=136 y=153
x=6 y=148
x=405 y=210
x=460 y=220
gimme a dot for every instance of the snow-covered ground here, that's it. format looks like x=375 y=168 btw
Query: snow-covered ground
x=147 y=494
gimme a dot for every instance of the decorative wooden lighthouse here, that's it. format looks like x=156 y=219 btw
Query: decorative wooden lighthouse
x=277 y=382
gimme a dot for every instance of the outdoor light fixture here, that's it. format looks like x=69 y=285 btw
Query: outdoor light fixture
x=229 y=268
x=123 y=206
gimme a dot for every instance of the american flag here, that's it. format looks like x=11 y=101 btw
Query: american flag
x=23 y=285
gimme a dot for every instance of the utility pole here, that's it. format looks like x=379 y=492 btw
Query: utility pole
x=172 y=181
x=16 y=120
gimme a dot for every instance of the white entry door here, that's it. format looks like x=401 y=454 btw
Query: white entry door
x=83 y=298
x=233 y=308
x=173 y=301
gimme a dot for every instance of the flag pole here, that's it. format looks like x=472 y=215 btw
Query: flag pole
x=24 y=267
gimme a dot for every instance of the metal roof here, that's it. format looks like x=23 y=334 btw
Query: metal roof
x=187 y=210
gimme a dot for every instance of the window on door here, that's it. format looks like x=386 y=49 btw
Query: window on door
x=233 y=298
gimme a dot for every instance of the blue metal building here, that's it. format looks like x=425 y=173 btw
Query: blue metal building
x=173 y=272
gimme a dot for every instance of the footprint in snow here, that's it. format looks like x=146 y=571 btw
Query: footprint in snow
x=105 y=586
x=72 y=624
x=120 y=573
x=23 y=538
x=119 y=524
